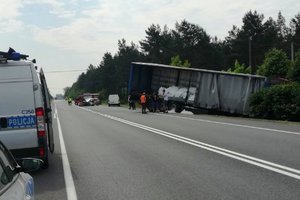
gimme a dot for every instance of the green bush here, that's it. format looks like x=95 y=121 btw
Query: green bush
x=276 y=64
x=239 y=68
x=277 y=102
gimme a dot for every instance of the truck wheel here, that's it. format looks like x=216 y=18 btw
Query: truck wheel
x=178 y=108
x=196 y=111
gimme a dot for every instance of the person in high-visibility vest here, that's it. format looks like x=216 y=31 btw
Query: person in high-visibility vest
x=69 y=101
x=143 y=99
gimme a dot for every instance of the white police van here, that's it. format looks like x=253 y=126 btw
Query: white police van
x=25 y=108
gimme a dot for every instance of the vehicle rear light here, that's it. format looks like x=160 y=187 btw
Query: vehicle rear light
x=40 y=122
x=42 y=151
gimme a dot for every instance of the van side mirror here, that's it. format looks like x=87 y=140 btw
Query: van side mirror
x=31 y=164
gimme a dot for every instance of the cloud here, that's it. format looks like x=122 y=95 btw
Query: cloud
x=57 y=7
x=97 y=28
x=83 y=35
x=216 y=16
x=101 y=25
x=9 y=12
x=9 y=9
x=11 y=25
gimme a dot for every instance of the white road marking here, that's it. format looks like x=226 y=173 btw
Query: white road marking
x=291 y=172
x=231 y=124
x=70 y=187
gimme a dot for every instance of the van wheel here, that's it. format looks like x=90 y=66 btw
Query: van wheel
x=46 y=163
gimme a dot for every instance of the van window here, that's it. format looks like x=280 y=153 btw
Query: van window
x=15 y=72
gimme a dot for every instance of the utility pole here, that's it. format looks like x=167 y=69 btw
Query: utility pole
x=250 y=55
x=292 y=51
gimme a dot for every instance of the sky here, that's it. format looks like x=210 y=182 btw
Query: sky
x=69 y=35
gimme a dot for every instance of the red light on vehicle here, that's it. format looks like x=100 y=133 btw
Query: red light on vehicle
x=41 y=133
x=39 y=112
x=40 y=122
x=42 y=151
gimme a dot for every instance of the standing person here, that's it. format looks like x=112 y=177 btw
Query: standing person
x=130 y=101
x=143 y=99
x=69 y=101
x=154 y=102
x=165 y=102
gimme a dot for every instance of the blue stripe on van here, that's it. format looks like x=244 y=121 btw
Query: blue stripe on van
x=21 y=121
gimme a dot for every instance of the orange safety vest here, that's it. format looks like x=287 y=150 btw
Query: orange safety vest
x=143 y=98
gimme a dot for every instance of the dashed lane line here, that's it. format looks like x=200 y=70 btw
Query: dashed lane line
x=281 y=169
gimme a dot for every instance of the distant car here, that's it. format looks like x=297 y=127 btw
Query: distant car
x=93 y=102
x=90 y=102
x=113 y=99
x=14 y=182
x=81 y=102
x=96 y=101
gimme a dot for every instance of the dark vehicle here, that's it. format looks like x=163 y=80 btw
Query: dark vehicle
x=79 y=101
x=195 y=89
x=93 y=102
x=88 y=99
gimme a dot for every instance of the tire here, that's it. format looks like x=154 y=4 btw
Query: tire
x=178 y=108
x=46 y=163
x=50 y=136
x=196 y=111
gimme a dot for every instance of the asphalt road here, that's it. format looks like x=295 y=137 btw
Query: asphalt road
x=116 y=153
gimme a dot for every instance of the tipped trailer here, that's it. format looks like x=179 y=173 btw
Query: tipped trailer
x=196 y=89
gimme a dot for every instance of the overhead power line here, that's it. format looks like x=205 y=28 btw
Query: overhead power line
x=64 y=71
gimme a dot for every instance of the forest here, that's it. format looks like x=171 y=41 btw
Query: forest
x=246 y=49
